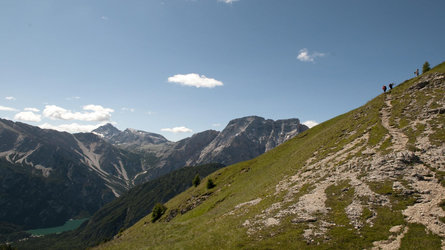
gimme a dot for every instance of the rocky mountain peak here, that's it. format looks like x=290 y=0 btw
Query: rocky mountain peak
x=141 y=137
x=129 y=136
x=107 y=131
x=248 y=137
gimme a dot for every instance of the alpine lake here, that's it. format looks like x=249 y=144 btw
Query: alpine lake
x=68 y=226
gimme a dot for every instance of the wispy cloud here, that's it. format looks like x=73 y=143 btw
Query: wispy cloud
x=3 y=108
x=28 y=116
x=310 y=123
x=10 y=98
x=105 y=18
x=177 y=130
x=228 y=1
x=71 y=128
x=195 y=80
x=128 y=109
x=216 y=125
x=92 y=113
x=71 y=98
x=305 y=56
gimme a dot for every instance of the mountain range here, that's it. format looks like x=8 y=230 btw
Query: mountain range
x=242 y=139
x=48 y=177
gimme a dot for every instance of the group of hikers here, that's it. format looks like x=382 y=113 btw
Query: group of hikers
x=391 y=85
x=426 y=67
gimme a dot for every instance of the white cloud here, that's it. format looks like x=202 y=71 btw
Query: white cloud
x=104 y=18
x=216 y=124
x=305 y=56
x=98 y=113
x=310 y=123
x=32 y=109
x=71 y=128
x=3 y=108
x=195 y=80
x=128 y=109
x=27 y=116
x=10 y=98
x=177 y=130
x=228 y=1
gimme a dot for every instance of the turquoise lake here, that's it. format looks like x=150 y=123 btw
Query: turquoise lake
x=68 y=226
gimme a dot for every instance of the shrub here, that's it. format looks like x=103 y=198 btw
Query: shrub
x=196 y=180
x=158 y=210
x=210 y=184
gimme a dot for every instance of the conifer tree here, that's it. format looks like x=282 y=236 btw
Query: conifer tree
x=197 y=180
x=210 y=184
x=426 y=67
x=158 y=210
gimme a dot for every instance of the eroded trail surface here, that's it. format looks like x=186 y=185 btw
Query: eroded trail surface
x=399 y=139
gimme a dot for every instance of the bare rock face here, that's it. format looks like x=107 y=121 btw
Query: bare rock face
x=185 y=152
x=249 y=137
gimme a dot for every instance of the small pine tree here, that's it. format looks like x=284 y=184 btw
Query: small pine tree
x=210 y=184
x=426 y=67
x=197 y=180
x=158 y=210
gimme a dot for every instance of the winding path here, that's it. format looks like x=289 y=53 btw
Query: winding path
x=398 y=138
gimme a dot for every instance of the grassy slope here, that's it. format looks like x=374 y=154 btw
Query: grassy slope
x=210 y=225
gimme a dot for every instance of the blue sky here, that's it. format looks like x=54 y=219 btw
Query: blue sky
x=177 y=67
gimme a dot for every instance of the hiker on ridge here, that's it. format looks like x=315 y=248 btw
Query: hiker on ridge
x=391 y=85
x=384 y=88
